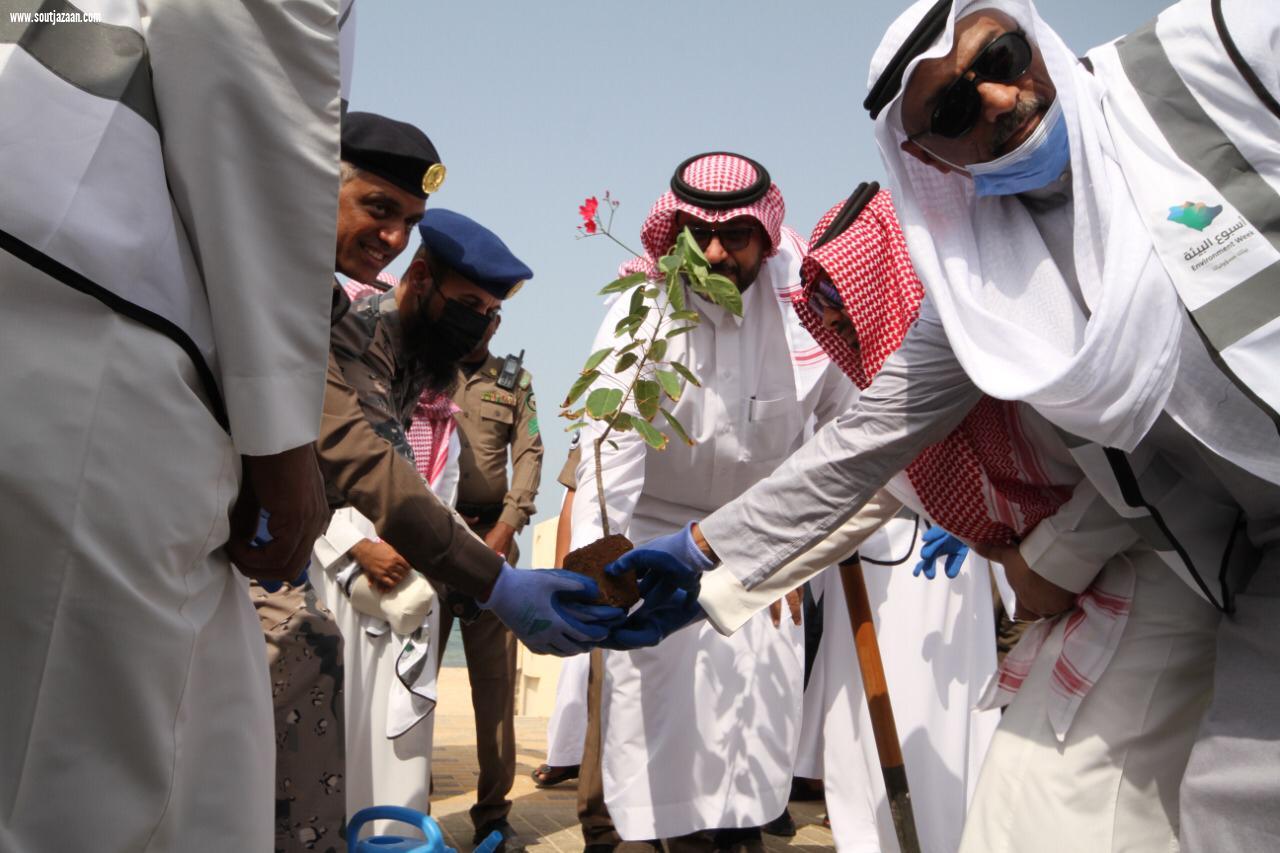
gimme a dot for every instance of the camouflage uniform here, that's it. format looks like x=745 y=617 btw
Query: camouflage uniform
x=304 y=657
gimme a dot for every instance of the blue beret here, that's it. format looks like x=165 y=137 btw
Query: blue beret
x=473 y=251
x=392 y=150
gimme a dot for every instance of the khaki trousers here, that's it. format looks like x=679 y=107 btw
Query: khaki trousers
x=490 y=648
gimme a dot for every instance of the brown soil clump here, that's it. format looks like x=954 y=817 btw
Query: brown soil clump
x=590 y=561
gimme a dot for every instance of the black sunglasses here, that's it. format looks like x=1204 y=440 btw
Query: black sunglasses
x=1003 y=60
x=734 y=238
x=824 y=296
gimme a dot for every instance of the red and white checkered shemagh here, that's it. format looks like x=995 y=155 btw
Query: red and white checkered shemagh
x=715 y=173
x=433 y=423
x=983 y=482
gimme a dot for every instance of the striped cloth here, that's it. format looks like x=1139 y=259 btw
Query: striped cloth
x=984 y=482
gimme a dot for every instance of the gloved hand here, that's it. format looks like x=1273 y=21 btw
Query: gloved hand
x=668 y=570
x=938 y=543
x=550 y=610
x=261 y=539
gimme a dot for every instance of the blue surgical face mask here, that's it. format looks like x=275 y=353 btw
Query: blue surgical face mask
x=1037 y=162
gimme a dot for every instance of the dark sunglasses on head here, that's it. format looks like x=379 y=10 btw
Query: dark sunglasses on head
x=825 y=296
x=1003 y=60
x=733 y=238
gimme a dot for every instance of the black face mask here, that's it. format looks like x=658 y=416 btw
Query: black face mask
x=460 y=329
x=438 y=345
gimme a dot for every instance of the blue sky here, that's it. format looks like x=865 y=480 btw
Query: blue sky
x=536 y=105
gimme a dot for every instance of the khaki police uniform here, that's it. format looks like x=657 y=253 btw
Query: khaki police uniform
x=494 y=423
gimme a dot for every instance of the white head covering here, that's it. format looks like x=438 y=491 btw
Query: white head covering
x=1009 y=313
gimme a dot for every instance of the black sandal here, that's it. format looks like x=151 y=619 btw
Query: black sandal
x=546 y=776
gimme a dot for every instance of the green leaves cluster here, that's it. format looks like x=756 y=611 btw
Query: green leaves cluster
x=639 y=375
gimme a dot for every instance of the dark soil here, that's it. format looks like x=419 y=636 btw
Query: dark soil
x=591 y=560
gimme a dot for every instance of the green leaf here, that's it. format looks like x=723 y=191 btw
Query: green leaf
x=648 y=396
x=675 y=292
x=689 y=249
x=650 y=292
x=596 y=357
x=651 y=436
x=582 y=384
x=578 y=425
x=637 y=301
x=618 y=285
x=670 y=383
x=611 y=443
x=621 y=422
x=691 y=316
x=724 y=293
x=680 y=330
x=686 y=373
x=669 y=263
x=631 y=323
x=627 y=360
x=603 y=402
x=677 y=427
x=629 y=347
x=659 y=350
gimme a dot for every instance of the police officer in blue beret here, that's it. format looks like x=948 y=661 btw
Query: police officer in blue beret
x=389 y=348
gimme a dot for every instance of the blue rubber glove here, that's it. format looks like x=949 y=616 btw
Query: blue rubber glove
x=938 y=543
x=550 y=610
x=261 y=538
x=668 y=570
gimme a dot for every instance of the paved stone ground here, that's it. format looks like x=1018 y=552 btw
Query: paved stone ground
x=547 y=818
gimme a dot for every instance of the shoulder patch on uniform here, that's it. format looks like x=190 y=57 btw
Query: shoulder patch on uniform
x=525 y=379
x=533 y=426
x=531 y=403
x=499 y=397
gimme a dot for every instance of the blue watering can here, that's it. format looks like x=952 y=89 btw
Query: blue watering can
x=431 y=842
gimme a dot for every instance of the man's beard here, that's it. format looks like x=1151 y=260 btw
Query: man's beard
x=428 y=358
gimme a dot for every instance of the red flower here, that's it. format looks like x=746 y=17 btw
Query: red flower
x=588 y=211
x=589 y=226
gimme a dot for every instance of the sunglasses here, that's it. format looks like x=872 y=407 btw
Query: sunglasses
x=733 y=239
x=825 y=296
x=1003 y=60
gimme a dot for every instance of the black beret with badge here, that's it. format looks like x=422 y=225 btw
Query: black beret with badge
x=392 y=150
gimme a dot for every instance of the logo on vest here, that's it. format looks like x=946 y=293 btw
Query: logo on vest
x=1196 y=215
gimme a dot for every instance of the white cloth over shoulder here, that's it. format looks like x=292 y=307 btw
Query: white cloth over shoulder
x=1104 y=369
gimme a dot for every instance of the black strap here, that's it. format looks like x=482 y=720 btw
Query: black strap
x=890 y=80
x=915 y=534
x=1237 y=58
x=720 y=200
x=54 y=269
x=848 y=214
x=1132 y=494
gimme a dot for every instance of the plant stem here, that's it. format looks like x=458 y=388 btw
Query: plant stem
x=604 y=512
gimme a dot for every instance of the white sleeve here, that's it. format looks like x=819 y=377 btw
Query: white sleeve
x=920 y=394
x=729 y=604
x=347 y=528
x=1070 y=547
x=248 y=99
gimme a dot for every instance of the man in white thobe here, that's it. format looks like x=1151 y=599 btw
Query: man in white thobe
x=167 y=314
x=700 y=735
